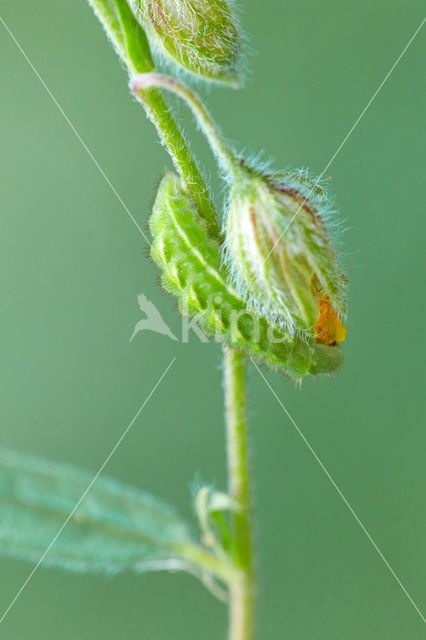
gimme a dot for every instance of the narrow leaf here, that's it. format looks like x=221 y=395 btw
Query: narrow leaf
x=116 y=527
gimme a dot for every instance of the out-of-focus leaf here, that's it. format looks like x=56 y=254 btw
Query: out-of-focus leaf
x=116 y=527
x=211 y=508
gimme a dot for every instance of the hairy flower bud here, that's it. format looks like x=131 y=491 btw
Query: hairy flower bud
x=280 y=255
x=199 y=35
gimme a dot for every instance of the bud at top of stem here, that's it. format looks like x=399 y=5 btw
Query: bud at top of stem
x=199 y=35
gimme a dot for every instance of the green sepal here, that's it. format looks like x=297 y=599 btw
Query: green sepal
x=193 y=271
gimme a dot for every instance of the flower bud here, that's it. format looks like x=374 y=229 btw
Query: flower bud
x=200 y=36
x=280 y=255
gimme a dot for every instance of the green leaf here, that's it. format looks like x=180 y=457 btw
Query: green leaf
x=115 y=528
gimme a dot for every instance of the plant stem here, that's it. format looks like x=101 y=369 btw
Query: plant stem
x=131 y=44
x=175 y=143
x=220 y=147
x=242 y=592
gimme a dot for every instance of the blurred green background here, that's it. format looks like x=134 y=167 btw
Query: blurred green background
x=72 y=264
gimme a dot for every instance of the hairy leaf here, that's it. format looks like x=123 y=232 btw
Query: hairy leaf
x=116 y=527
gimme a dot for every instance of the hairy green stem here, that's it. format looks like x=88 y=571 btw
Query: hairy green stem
x=183 y=161
x=242 y=593
x=141 y=83
x=131 y=44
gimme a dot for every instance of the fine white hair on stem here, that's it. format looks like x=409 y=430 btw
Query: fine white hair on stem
x=219 y=145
